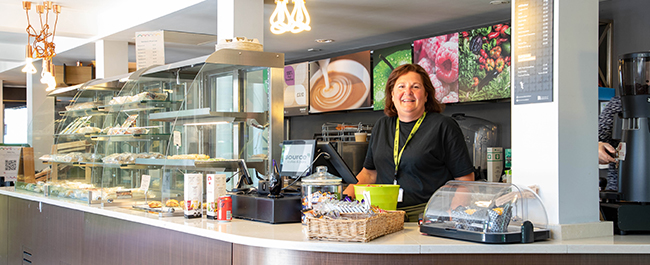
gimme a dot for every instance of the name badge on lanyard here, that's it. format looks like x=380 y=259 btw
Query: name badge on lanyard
x=397 y=155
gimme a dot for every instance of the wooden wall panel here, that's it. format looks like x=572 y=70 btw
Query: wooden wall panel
x=243 y=254
x=61 y=241
x=110 y=241
x=21 y=229
x=3 y=230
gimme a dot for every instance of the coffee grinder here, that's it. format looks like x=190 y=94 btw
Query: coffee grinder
x=631 y=210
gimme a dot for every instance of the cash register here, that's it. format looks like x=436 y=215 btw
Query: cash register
x=277 y=199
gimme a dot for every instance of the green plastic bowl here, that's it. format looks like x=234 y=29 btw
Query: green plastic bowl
x=382 y=195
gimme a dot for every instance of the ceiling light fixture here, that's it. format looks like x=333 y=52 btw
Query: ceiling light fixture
x=498 y=2
x=40 y=44
x=295 y=22
x=324 y=40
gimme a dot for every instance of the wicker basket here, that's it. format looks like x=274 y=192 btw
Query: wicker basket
x=357 y=228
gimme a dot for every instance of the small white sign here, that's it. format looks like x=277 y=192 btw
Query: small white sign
x=177 y=138
x=10 y=162
x=144 y=183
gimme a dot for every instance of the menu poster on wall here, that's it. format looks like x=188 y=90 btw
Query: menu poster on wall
x=484 y=68
x=149 y=48
x=383 y=63
x=296 y=93
x=439 y=57
x=340 y=83
x=10 y=162
x=533 y=80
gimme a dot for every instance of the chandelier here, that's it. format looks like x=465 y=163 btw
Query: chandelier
x=295 y=22
x=40 y=43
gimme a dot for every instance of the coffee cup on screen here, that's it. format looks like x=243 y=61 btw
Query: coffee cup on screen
x=348 y=86
x=360 y=136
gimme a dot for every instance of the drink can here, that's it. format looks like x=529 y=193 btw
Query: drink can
x=225 y=209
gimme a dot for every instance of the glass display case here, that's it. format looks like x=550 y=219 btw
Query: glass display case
x=132 y=146
x=486 y=212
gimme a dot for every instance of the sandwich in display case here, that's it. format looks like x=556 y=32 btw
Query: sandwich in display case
x=486 y=212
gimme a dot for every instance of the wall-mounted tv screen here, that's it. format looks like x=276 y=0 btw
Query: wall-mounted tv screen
x=484 y=71
x=383 y=63
x=340 y=83
x=439 y=57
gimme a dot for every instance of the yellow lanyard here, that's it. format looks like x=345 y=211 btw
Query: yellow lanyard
x=397 y=156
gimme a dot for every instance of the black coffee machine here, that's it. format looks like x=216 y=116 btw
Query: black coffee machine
x=630 y=210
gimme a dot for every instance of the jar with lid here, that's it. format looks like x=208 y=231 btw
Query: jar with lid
x=318 y=187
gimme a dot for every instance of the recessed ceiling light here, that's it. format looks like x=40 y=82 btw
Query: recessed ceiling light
x=313 y=50
x=324 y=40
x=498 y=2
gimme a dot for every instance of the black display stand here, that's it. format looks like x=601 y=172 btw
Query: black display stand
x=627 y=217
x=261 y=208
x=528 y=235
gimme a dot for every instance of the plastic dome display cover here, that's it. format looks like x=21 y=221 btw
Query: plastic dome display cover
x=460 y=209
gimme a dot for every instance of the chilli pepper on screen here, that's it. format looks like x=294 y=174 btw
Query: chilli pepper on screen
x=497 y=27
x=493 y=35
x=503 y=31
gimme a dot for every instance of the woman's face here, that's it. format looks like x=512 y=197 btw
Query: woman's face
x=409 y=96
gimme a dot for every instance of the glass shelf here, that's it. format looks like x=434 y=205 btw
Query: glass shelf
x=75 y=135
x=206 y=117
x=203 y=165
x=81 y=112
x=130 y=137
x=138 y=106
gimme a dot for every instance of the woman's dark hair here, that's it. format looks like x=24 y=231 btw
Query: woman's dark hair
x=432 y=105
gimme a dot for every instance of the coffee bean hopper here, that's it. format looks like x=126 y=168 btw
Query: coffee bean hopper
x=486 y=212
x=630 y=210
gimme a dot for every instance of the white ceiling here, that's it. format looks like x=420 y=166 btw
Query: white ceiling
x=354 y=25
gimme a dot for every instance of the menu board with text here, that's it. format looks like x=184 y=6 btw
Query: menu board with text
x=533 y=75
x=149 y=48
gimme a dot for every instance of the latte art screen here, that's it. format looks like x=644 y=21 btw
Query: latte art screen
x=344 y=91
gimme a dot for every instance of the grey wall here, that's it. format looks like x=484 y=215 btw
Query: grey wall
x=305 y=127
x=631 y=28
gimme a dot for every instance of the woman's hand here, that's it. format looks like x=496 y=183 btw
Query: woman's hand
x=603 y=156
x=366 y=176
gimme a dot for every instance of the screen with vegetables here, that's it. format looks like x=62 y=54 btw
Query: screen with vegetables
x=383 y=63
x=484 y=68
x=439 y=57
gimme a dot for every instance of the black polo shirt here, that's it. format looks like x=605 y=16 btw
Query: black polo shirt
x=436 y=154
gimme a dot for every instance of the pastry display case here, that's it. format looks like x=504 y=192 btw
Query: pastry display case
x=131 y=142
x=486 y=212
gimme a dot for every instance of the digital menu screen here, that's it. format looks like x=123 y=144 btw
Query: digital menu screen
x=533 y=75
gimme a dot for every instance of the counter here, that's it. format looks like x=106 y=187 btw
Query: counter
x=263 y=243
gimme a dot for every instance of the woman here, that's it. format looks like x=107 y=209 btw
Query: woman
x=430 y=149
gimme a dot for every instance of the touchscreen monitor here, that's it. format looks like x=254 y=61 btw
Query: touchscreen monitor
x=297 y=156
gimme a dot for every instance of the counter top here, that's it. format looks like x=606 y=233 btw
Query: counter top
x=294 y=236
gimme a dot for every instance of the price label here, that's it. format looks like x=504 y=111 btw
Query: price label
x=144 y=183
x=177 y=138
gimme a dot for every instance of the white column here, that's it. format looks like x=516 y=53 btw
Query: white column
x=111 y=58
x=240 y=18
x=40 y=113
x=554 y=145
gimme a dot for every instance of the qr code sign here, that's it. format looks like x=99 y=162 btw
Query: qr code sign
x=10 y=164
